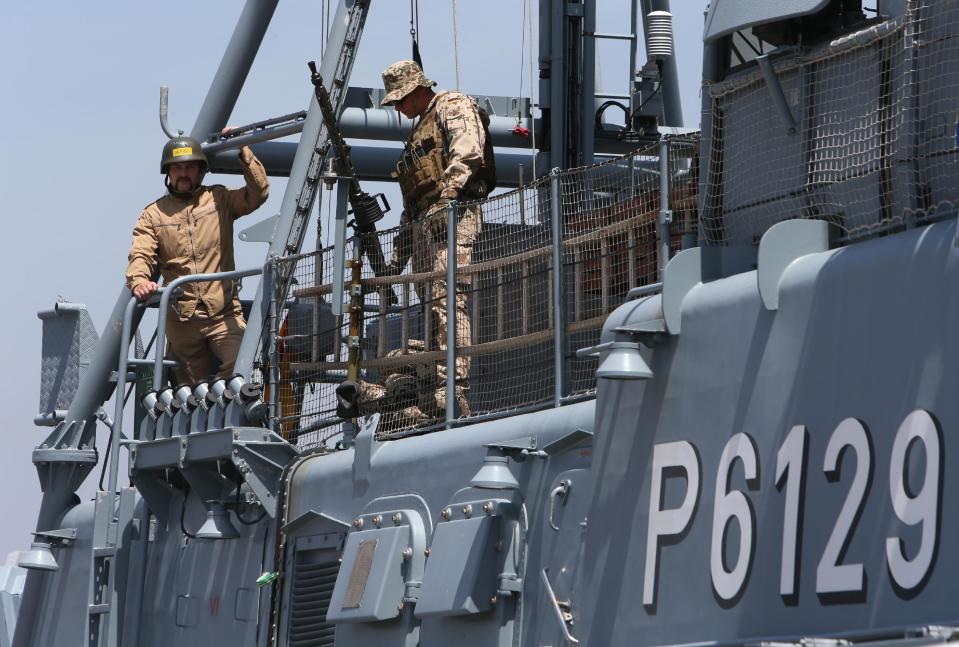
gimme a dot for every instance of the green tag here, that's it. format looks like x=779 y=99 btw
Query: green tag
x=266 y=578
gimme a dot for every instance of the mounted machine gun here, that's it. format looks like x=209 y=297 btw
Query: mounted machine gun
x=366 y=213
x=366 y=209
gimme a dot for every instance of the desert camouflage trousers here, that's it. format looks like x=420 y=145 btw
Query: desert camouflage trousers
x=191 y=342
x=429 y=254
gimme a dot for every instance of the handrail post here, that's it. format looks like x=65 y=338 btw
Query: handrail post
x=269 y=272
x=166 y=293
x=451 y=209
x=559 y=319
x=665 y=214
x=121 y=386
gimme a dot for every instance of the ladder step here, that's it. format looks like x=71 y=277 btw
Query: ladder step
x=610 y=36
x=98 y=609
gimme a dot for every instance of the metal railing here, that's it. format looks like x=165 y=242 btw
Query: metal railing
x=534 y=272
x=161 y=297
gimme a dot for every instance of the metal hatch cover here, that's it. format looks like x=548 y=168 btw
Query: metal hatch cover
x=728 y=16
x=370 y=583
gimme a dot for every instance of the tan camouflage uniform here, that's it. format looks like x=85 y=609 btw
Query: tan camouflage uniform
x=449 y=157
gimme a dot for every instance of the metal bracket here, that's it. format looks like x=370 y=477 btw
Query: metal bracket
x=63 y=535
x=561 y=616
x=365 y=447
x=777 y=94
x=567 y=442
x=517 y=449
x=261 y=232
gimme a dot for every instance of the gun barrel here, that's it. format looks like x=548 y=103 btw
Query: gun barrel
x=366 y=210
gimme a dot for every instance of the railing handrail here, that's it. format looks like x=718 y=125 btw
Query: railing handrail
x=165 y=294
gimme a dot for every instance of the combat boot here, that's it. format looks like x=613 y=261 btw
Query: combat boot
x=370 y=398
x=461 y=402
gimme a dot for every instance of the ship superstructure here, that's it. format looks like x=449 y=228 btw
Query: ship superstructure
x=710 y=386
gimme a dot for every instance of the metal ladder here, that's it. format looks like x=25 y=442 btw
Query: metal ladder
x=304 y=181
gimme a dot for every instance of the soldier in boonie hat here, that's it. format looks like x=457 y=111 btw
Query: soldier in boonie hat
x=401 y=78
x=449 y=156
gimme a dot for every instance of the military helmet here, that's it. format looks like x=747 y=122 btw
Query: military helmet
x=181 y=149
x=400 y=79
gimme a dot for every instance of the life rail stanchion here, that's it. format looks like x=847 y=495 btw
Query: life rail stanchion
x=166 y=292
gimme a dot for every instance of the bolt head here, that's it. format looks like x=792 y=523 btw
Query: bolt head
x=493 y=599
x=467 y=511
x=358 y=523
x=377 y=520
x=488 y=507
x=426 y=552
x=397 y=518
x=446 y=513
x=407 y=552
x=399 y=607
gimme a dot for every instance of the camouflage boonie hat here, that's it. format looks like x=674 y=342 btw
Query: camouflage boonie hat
x=400 y=79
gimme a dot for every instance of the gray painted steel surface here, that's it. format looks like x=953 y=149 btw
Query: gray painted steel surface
x=861 y=333
x=786 y=472
x=12 y=579
x=726 y=16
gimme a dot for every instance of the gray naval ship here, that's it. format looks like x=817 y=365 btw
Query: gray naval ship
x=708 y=397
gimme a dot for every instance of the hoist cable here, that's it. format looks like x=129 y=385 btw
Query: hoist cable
x=414 y=29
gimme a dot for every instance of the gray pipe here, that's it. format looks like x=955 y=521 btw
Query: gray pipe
x=451 y=210
x=545 y=39
x=588 y=89
x=665 y=214
x=372 y=163
x=117 y=430
x=165 y=111
x=559 y=328
x=557 y=85
x=374 y=123
x=234 y=67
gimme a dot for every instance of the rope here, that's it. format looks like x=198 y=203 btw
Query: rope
x=456 y=47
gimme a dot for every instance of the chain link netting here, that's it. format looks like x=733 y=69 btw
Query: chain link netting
x=611 y=214
x=505 y=311
x=869 y=141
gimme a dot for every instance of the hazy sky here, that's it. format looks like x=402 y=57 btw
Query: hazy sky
x=80 y=88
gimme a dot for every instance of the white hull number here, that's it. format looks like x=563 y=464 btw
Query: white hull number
x=836 y=576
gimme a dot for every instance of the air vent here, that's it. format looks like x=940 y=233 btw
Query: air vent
x=312 y=589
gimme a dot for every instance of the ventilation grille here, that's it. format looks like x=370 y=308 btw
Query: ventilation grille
x=312 y=590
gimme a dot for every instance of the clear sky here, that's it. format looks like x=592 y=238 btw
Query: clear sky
x=80 y=89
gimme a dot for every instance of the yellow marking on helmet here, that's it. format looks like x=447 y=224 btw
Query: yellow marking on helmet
x=184 y=150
